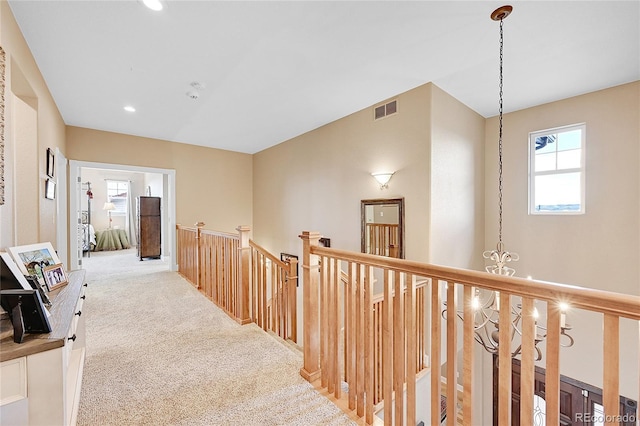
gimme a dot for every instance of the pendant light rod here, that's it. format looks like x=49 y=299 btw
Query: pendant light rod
x=499 y=15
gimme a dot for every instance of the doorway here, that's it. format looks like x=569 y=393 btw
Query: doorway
x=580 y=403
x=75 y=210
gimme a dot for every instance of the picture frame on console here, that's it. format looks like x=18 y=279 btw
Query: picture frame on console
x=55 y=276
x=32 y=259
x=11 y=276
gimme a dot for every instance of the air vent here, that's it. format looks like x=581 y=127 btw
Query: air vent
x=385 y=110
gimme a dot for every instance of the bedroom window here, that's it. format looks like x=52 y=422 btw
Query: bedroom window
x=117 y=192
x=556 y=170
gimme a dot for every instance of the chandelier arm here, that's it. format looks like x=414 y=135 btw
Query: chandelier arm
x=490 y=349
x=538 y=353
x=484 y=322
x=571 y=341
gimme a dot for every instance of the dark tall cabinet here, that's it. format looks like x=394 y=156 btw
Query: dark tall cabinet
x=149 y=223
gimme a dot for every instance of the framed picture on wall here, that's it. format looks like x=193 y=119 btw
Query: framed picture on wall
x=49 y=189
x=50 y=162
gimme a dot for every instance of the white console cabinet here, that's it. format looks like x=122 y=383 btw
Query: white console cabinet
x=41 y=377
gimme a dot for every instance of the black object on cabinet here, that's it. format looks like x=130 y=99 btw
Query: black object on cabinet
x=149 y=224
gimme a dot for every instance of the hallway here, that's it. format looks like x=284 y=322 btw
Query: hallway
x=158 y=352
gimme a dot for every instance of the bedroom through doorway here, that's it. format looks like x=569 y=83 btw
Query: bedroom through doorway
x=103 y=205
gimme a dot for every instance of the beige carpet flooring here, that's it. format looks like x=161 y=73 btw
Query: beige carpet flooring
x=160 y=353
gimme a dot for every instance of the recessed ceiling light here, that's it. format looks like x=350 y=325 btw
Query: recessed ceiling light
x=153 y=4
x=129 y=108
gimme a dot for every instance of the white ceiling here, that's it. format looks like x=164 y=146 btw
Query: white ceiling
x=274 y=70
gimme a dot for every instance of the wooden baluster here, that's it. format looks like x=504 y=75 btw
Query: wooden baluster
x=611 y=387
x=360 y=335
x=337 y=325
x=368 y=354
x=412 y=354
x=329 y=314
x=263 y=292
x=387 y=346
x=552 y=385
x=255 y=284
x=467 y=357
x=199 y=226
x=435 y=351
x=324 y=321
x=292 y=279
x=275 y=311
x=504 y=360
x=350 y=337
x=399 y=356
x=527 y=366
x=311 y=349
x=452 y=353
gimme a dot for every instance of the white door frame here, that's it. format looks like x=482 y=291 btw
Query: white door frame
x=62 y=213
x=75 y=175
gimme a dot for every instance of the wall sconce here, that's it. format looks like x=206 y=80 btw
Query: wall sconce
x=108 y=207
x=383 y=178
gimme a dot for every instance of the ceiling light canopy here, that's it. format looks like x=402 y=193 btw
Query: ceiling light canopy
x=129 y=108
x=153 y=4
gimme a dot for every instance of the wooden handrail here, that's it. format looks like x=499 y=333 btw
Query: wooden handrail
x=366 y=320
x=279 y=263
x=627 y=306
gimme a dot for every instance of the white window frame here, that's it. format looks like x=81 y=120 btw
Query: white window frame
x=533 y=173
x=118 y=211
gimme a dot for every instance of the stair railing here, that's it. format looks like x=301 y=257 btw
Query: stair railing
x=327 y=307
x=239 y=276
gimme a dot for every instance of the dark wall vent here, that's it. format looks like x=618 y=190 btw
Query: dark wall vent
x=385 y=110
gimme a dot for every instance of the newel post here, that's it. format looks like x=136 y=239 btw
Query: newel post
x=242 y=298
x=199 y=227
x=311 y=280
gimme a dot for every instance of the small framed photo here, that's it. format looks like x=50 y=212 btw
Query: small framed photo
x=55 y=276
x=49 y=189
x=32 y=259
x=50 y=162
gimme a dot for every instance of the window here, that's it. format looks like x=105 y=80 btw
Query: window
x=556 y=170
x=117 y=191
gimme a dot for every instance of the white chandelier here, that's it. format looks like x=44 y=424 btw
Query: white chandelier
x=486 y=303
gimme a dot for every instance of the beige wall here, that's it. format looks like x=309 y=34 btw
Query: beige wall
x=28 y=103
x=457 y=183
x=213 y=186
x=600 y=249
x=315 y=181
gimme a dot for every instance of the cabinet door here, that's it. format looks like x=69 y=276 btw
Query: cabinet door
x=149 y=236
x=149 y=206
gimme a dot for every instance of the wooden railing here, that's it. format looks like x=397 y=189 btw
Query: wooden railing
x=382 y=239
x=326 y=308
x=240 y=277
x=187 y=243
x=378 y=333
x=273 y=290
